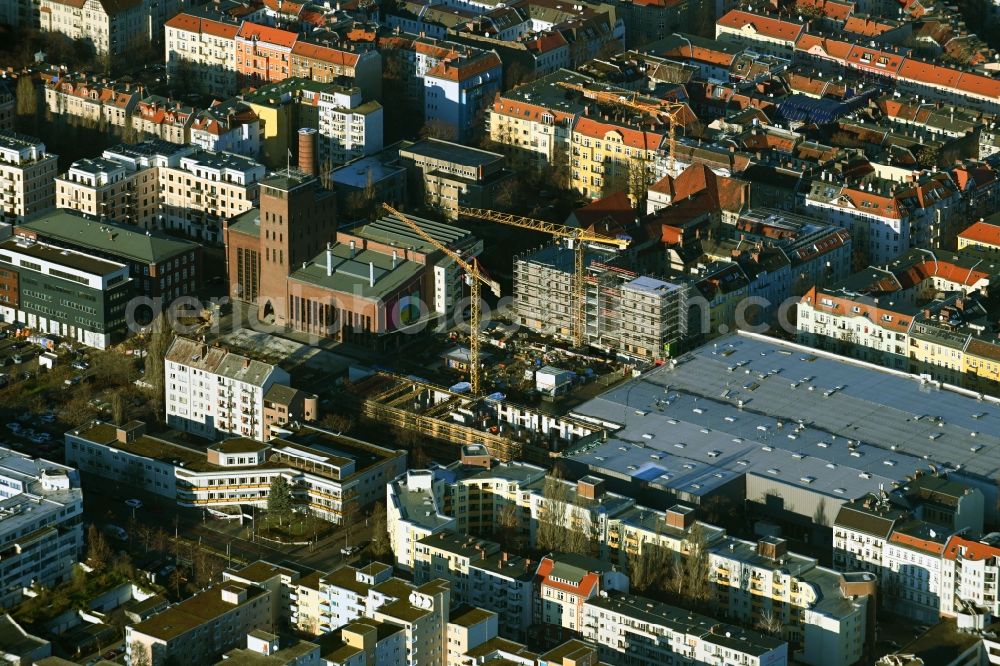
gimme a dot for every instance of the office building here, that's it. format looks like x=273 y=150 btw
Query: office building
x=161 y=266
x=332 y=476
x=450 y=175
x=64 y=292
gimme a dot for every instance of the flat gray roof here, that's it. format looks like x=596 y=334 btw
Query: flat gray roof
x=808 y=419
x=447 y=151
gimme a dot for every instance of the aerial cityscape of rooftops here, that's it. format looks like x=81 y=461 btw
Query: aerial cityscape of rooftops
x=500 y=332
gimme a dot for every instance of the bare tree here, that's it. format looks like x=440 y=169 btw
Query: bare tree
x=138 y=654
x=552 y=530
x=696 y=569
x=118 y=408
x=770 y=623
x=159 y=341
x=380 y=545
x=99 y=553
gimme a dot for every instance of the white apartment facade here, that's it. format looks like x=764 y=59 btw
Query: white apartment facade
x=969 y=574
x=372 y=592
x=203 y=50
x=648 y=633
x=349 y=127
x=231 y=129
x=913 y=565
x=413 y=511
x=26 y=176
x=210 y=391
x=41 y=523
x=860 y=534
x=113 y=28
x=879 y=225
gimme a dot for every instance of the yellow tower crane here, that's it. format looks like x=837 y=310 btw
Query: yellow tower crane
x=475 y=278
x=670 y=110
x=578 y=238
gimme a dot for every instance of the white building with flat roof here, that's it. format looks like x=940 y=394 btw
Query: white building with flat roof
x=41 y=528
x=26 y=176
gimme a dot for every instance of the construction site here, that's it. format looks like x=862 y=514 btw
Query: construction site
x=509 y=431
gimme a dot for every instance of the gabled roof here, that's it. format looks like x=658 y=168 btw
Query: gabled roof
x=983 y=233
x=328 y=54
x=634 y=138
x=769 y=26
x=968 y=549
x=262 y=33
x=831 y=9
x=200 y=25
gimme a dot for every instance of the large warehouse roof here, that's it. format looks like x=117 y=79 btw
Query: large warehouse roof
x=807 y=418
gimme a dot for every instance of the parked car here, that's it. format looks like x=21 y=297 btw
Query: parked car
x=14 y=426
x=116 y=531
x=349 y=550
x=134 y=503
x=80 y=365
x=48 y=417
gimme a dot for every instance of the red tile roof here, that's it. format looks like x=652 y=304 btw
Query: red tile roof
x=461 y=69
x=917 y=543
x=833 y=49
x=982 y=232
x=585 y=588
x=868 y=27
x=325 y=54
x=969 y=549
x=843 y=307
x=267 y=34
x=528 y=111
x=769 y=26
x=630 y=137
x=205 y=26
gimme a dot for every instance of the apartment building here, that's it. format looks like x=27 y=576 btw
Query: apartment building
x=649 y=633
x=458 y=91
x=372 y=592
x=144 y=159
x=65 y=292
x=210 y=390
x=469 y=628
x=983 y=235
x=828 y=616
x=566 y=581
x=333 y=477
x=113 y=28
x=414 y=510
x=913 y=569
x=201 y=628
x=638 y=316
x=202 y=49
x=861 y=532
x=610 y=156
x=157 y=117
x=161 y=267
x=205 y=190
x=764 y=33
x=535 y=120
x=331 y=64
x=41 y=523
x=8 y=102
x=451 y=175
x=227 y=127
x=349 y=127
x=92 y=100
x=97 y=187
x=969 y=569
x=364 y=642
x=263 y=54
x=480 y=573
x=26 y=176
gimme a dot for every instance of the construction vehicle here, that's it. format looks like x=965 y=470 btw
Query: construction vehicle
x=476 y=278
x=577 y=237
x=660 y=109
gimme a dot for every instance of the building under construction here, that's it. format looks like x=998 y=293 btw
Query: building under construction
x=628 y=314
x=509 y=432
